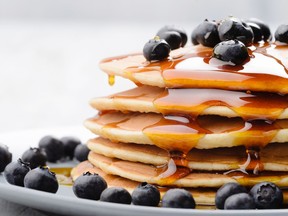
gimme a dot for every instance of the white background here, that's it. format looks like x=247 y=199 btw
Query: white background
x=49 y=50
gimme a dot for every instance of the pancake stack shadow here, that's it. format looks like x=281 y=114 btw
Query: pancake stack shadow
x=192 y=124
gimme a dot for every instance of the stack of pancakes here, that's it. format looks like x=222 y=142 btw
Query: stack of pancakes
x=193 y=122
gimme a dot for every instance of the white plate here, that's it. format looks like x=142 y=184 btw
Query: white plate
x=65 y=202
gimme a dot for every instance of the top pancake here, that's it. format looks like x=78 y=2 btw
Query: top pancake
x=193 y=67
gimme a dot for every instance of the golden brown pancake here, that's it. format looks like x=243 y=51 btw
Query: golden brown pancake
x=274 y=157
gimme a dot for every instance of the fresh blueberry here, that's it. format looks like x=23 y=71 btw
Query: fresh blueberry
x=281 y=34
x=41 y=179
x=233 y=28
x=156 y=49
x=178 y=29
x=53 y=148
x=16 y=171
x=239 y=201
x=267 y=196
x=226 y=191
x=5 y=157
x=258 y=36
x=146 y=195
x=89 y=186
x=266 y=33
x=206 y=34
x=35 y=157
x=178 y=198
x=81 y=152
x=116 y=195
x=231 y=51
x=173 y=38
x=70 y=144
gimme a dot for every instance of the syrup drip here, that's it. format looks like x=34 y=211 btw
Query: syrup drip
x=111 y=79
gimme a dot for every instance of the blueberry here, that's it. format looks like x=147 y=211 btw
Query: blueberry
x=41 y=179
x=146 y=195
x=266 y=33
x=226 y=191
x=81 y=152
x=35 y=157
x=89 y=186
x=206 y=34
x=16 y=171
x=173 y=38
x=116 y=195
x=5 y=157
x=231 y=51
x=53 y=148
x=70 y=144
x=156 y=49
x=267 y=195
x=281 y=34
x=178 y=198
x=233 y=28
x=258 y=36
x=178 y=29
x=239 y=201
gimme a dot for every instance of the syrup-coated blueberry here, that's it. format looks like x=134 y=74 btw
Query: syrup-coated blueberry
x=239 y=201
x=146 y=195
x=173 y=38
x=231 y=51
x=81 y=152
x=5 y=157
x=178 y=29
x=53 y=148
x=206 y=34
x=267 y=195
x=233 y=28
x=156 y=49
x=70 y=144
x=116 y=195
x=89 y=186
x=35 y=157
x=16 y=171
x=266 y=33
x=178 y=198
x=41 y=179
x=226 y=191
x=258 y=36
x=281 y=34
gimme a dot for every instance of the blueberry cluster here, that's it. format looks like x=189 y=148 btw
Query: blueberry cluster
x=264 y=195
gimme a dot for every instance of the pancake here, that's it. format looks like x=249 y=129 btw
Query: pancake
x=197 y=102
x=274 y=157
x=193 y=67
x=182 y=134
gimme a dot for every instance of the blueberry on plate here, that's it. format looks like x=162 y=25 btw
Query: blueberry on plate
x=35 y=157
x=233 y=28
x=265 y=30
x=258 y=35
x=81 y=152
x=281 y=34
x=267 y=196
x=178 y=198
x=173 y=38
x=239 y=201
x=232 y=51
x=226 y=191
x=156 y=49
x=174 y=28
x=146 y=195
x=89 y=186
x=16 y=171
x=5 y=157
x=70 y=144
x=206 y=34
x=41 y=179
x=53 y=148
x=116 y=195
